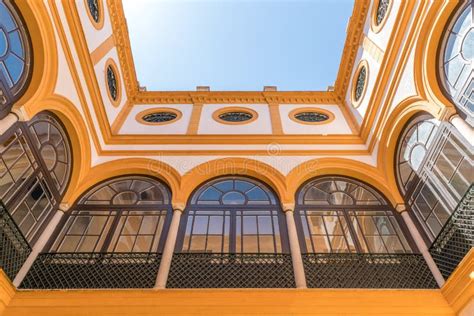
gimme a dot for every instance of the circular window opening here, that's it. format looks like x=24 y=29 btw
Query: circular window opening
x=160 y=117
x=382 y=10
x=235 y=115
x=311 y=117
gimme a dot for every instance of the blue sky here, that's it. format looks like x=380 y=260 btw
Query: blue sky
x=237 y=44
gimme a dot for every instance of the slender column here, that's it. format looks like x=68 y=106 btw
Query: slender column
x=39 y=246
x=420 y=243
x=464 y=128
x=7 y=122
x=298 y=269
x=167 y=255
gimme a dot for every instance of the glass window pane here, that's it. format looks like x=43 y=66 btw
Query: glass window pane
x=69 y=244
x=393 y=244
x=88 y=244
x=375 y=244
x=125 y=244
x=132 y=225
x=149 y=225
x=143 y=244
x=80 y=225
x=321 y=244
x=214 y=244
x=215 y=225
x=198 y=244
x=266 y=244
x=265 y=225
x=250 y=244
x=200 y=225
x=250 y=225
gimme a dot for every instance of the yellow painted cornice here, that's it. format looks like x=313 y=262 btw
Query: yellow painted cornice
x=459 y=289
x=7 y=291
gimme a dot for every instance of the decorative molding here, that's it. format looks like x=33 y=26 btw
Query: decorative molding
x=459 y=289
x=140 y=115
x=374 y=51
x=296 y=111
x=7 y=291
x=217 y=113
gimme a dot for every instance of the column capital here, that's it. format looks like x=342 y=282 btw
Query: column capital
x=401 y=207
x=64 y=207
x=288 y=207
x=178 y=206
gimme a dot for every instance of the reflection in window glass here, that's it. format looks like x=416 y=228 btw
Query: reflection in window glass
x=457 y=60
x=233 y=215
x=337 y=214
x=127 y=214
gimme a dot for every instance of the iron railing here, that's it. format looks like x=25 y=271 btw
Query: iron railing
x=340 y=270
x=93 y=271
x=457 y=236
x=14 y=248
x=210 y=270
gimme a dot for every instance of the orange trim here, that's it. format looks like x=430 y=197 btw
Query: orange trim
x=193 y=126
x=102 y=50
x=277 y=128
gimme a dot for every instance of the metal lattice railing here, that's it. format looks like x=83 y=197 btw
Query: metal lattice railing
x=14 y=248
x=340 y=270
x=457 y=236
x=210 y=270
x=93 y=270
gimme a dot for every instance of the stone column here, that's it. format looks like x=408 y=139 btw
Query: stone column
x=40 y=244
x=298 y=269
x=420 y=243
x=7 y=122
x=170 y=243
x=466 y=131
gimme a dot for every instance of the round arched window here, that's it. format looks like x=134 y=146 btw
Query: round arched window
x=54 y=148
x=125 y=214
x=339 y=214
x=233 y=215
x=414 y=144
x=15 y=56
x=457 y=56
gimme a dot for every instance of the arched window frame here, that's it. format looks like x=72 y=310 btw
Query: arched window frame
x=115 y=221
x=232 y=215
x=10 y=94
x=346 y=221
x=459 y=93
x=33 y=195
x=436 y=187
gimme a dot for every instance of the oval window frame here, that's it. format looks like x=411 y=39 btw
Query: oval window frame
x=217 y=113
x=100 y=24
x=362 y=63
x=292 y=115
x=141 y=114
x=373 y=25
x=110 y=62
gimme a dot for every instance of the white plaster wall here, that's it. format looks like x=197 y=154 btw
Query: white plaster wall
x=406 y=87
x=382 y=38
x=66 y=88
x=100 y=70
x=374 y=68
x=132 y=126
x=284 y=164
x=262 y=125
x=338 y=126
x=94 y=37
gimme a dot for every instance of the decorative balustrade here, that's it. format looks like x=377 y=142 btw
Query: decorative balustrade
x=14 y=248
x=457 y=236
x=93 y=270
x=341 y=270
x=210 y=270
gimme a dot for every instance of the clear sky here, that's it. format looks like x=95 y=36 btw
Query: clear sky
x=237 y=44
